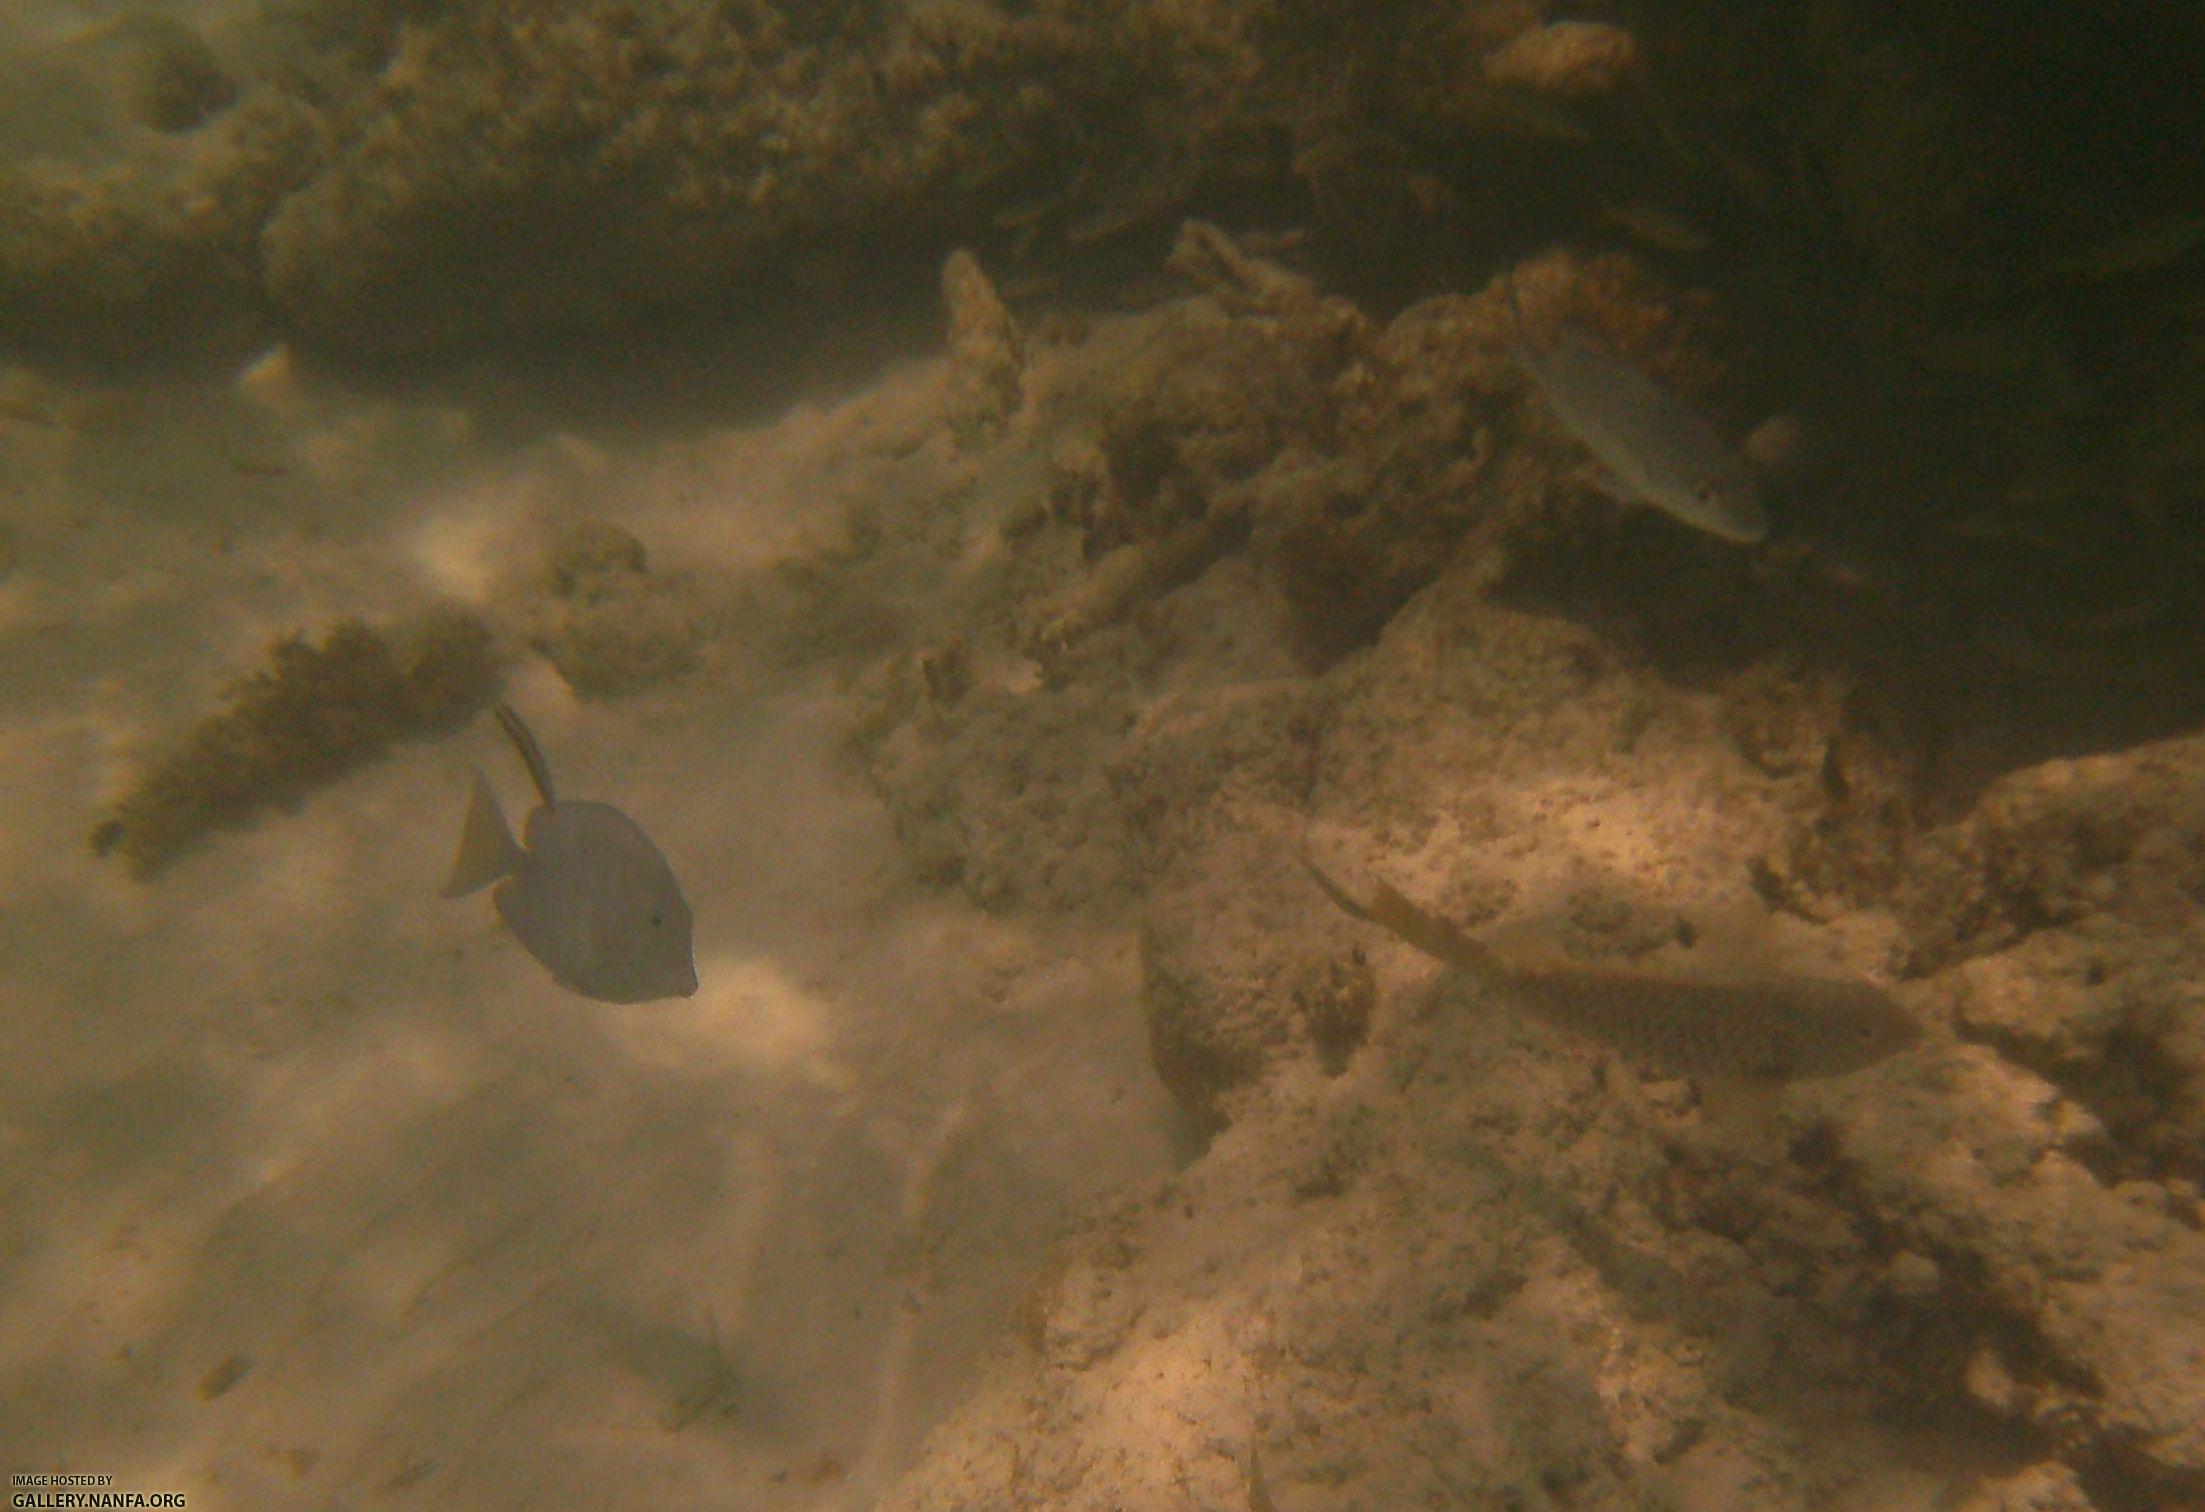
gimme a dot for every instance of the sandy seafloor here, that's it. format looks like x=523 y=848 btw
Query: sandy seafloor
x=470 y=1236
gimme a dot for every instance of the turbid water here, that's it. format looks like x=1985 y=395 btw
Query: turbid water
x=946 y=489
x=321 y=1188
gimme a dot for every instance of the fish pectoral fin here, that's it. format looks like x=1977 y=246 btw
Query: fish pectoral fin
x=486 y=847
x=1391 y=911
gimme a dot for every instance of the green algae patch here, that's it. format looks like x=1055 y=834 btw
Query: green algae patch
x=314 y=713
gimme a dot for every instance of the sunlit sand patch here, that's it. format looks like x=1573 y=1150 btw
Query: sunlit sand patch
x=273 y=383
x=747 y=1017
x=457 y=547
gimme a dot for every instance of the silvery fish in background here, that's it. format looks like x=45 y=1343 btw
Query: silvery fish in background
x=1651 y=446
x=590 y=896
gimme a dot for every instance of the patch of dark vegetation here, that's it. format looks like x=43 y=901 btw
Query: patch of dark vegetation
x=313 y=714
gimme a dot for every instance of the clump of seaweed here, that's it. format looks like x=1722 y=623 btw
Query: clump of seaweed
x=313 y=714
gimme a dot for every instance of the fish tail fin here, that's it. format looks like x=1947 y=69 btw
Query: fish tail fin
x=532 y=755
x=1427 y=932
x=486 y=848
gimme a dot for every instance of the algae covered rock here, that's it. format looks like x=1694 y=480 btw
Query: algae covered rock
x=161 y=253
x=511 y=172
x=2064 y=912
x=606 y=622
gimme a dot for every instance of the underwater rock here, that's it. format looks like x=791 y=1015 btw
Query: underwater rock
x=2078 y=1303
x=510 y=177
x=1781 y=716
x=1245 y=283
x=2052 y=845
x=1132 y=573
x=1436 y=1282
x=168 y=77
x=987 y=355
x=1565 y=58
x=1230 y=987
x=1207 y=398
x=605 y=621
x=157 y=256
x=2052 y=1172
x=2064 y=913
x=1005 y=794
x=76 y=91
x=1859 y=781
x=1961 y=1229
x=317 y=712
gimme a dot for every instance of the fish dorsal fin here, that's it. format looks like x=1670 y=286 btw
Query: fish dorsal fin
x=486 y=848
x=532 y=755
x=1391 y=911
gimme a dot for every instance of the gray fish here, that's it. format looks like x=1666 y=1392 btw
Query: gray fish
x=1779 y=1029
x=1651 y=446
x=590 y=896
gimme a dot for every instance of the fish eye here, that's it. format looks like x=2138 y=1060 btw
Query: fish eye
x=657 y=918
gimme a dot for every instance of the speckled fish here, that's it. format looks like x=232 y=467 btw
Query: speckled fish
x=1652 y=448
x=589 y=896
x=1780 y=1029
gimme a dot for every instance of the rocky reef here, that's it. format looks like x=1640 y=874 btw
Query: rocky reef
x=1965 y=247
x=1436 y=1251
x=1976 y=281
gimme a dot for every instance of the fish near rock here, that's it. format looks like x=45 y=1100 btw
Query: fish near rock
x=1776 y=1030
x=1652 y=448
x=589 y=895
